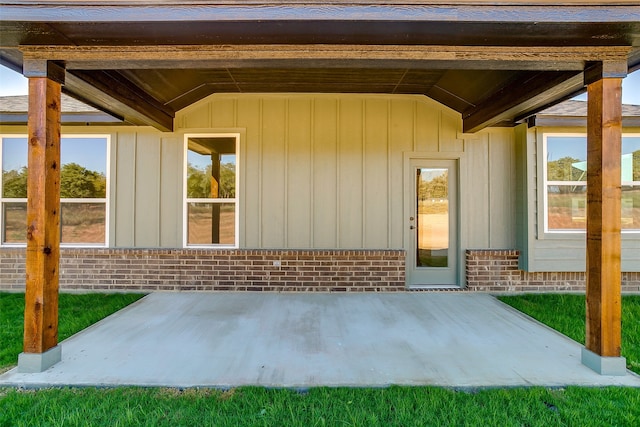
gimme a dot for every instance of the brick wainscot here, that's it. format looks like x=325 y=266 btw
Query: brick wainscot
x=217 y=270
x=496 y=271
x=121 y=270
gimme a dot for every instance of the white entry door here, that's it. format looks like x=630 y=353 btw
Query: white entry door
x=431 y=223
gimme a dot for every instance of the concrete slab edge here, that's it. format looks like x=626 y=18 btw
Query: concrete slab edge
x=471 y=388
x=616 y=366
x=39 y=362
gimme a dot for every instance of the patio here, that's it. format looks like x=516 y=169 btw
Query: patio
x=305 y=340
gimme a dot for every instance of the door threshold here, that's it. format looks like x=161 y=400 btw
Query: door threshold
x=451 y=288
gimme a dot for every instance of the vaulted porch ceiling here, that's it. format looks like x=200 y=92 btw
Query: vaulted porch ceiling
x=495 y=64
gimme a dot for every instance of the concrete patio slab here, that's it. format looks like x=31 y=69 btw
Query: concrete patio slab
x=306 y=340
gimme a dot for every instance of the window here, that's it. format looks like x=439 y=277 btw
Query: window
x=211 y=207
x=565 y=176
x=83 y=190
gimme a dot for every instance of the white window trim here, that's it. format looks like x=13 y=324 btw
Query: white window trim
x=544 y=184
x=186 y=200
x=106 y=200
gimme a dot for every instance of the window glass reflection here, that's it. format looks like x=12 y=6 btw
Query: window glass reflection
x=14 y=168
x=15 y=222
x=83 y=175
x=565 y=182
x=211 y=169
x=83 y=222
x=211 y=223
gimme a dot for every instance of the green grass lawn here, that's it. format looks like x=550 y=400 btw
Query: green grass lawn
x=76 y=312
x=566 y=313
x=392 y=406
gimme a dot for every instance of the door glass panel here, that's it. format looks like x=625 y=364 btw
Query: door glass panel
x=432 y=205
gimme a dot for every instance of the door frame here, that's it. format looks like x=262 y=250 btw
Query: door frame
x=461 y=241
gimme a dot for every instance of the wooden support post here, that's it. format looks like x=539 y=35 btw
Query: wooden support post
x=603 y=294
x=43 y=220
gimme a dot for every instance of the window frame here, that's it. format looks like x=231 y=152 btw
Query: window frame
x=545 y=184
x=106 y=200
x=186 y=200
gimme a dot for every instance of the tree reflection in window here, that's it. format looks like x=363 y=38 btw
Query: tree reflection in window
x=565 y=182
x=83 y=190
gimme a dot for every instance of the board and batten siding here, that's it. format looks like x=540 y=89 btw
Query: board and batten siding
x=489 y=221
x=326 y=171
x=316 y=171
x=524 y=206
x=561 y=252
x=147 y=178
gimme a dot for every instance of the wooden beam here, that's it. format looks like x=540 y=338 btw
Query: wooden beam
x=109 y=91
x=603 y=294
x=43 y=68
x=605 y=70
x=324 y=55
x=43 y=214
x=91 y=70
x=520 y=99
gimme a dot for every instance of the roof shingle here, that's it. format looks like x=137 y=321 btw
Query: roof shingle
x=574 y=108
x=20 y=104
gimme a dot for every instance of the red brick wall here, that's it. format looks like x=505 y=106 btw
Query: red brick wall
x=497 y=271
x=217 y=270
x=299 y=271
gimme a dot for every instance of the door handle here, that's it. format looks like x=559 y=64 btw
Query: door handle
x=412 y=227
